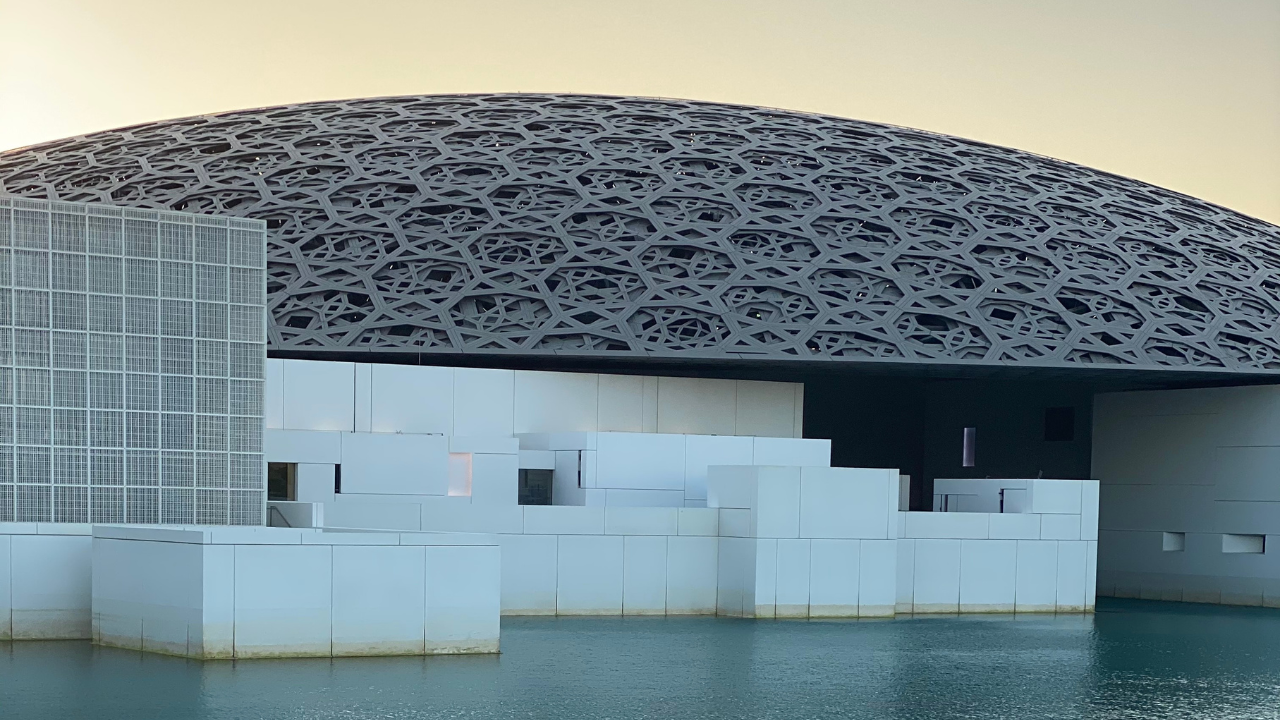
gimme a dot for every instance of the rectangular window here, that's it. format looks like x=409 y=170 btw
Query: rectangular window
x=1174 y=542
x=970 y=447
x=282 y=481
x=1253 y=544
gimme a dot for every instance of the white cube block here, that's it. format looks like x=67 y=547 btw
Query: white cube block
x=315 y=482
x=731 y=486
x=644 y=579
x=792 y=594
x=834 y=578
x=691 y=575
x=703 y=451
x=877 y=575
x=379 y=604
x=937 y=576
x=844 y=503
x=640 y=461
x=388 y=463
x=590 y=573
x=775 y=511
x=988 y=573
x=1037 y=578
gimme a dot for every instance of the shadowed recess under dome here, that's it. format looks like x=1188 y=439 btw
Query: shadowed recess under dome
x=634 y=228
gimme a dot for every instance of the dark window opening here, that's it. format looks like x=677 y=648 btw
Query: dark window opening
x=282 y=481
x=535 y=487
x=970 y=447
x=1059 y=424
x=337 y=479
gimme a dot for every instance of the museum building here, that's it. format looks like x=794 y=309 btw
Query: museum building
x=697 y=324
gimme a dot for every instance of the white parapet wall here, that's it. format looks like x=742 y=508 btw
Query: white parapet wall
x=44 y=581
x=476 y=402
x=214 y=593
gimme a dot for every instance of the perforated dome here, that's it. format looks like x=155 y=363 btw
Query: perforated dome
x=587 y=226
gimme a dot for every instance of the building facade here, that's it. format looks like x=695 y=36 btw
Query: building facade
x=133 y=349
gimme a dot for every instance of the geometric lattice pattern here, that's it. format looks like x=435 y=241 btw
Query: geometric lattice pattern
x=631 y=227
x=132 y=354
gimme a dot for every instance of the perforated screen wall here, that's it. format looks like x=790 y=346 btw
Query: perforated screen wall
x=562 y=226
x=132 y=354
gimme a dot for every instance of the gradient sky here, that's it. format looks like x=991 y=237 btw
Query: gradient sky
x=1180 y=93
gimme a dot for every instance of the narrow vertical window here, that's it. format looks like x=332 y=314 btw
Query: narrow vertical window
x=970 y=441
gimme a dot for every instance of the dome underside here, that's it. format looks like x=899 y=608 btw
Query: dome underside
x=633 y=228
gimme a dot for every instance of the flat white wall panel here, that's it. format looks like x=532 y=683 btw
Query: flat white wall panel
x=765 y=409
x=319 y=395
x=386 y=463
x=702 y=451
x=792 y=595
x=495 y=479
x=834 y=578
x=283 y=600
x=590 y=575
x=621 y=404
x=937 y=576
x=483 y=402
x=363 y=397
x=640 y=461
x=792 y=451
x=555 y=401
x=412 y=399
x=697 y=406
x=529 y=574
x=644 y=580
x=303 y=446
x=988 y=574
x=379 y=601
x=273 y=410
x=691 y=569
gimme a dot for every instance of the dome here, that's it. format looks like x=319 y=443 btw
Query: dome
x=633 y=228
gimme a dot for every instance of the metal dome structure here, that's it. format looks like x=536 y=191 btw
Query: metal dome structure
x=632 y=228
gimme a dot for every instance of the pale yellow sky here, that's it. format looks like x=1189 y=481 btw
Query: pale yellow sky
x=1181 y=93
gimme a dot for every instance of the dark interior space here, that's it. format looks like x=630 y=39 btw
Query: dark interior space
x=1022 y=428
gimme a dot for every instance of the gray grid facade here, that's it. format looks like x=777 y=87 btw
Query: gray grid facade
x=132 y=359
x=635 y=228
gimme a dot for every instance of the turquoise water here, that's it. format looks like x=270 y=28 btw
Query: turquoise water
x=1132 y=659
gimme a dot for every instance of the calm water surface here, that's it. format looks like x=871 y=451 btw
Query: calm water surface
x=1130 y=660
